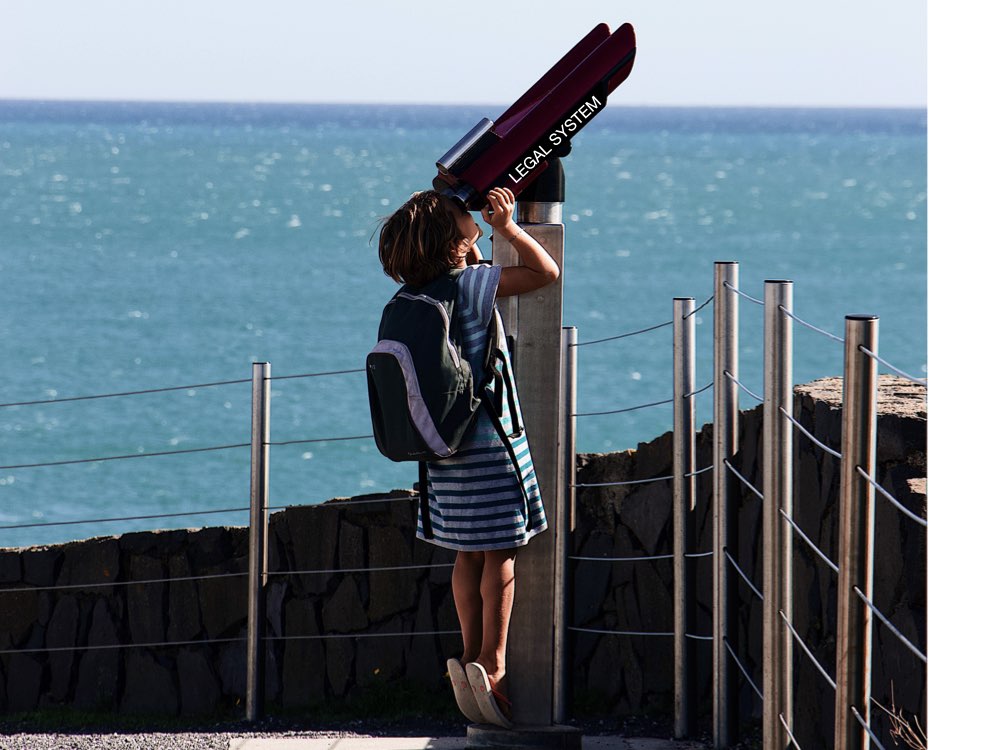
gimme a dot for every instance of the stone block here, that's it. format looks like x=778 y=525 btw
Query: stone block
x=303 y=675
x=232 y=666
x=40 y=565
x=591 y=579
x=314 y=533
x=209 y=547
x=339 y=664
x=390 y=591
x=149 y=686
x=343 y=612
x=424 y=663
x=91 y=561
x=647 y=511
x=604 y=676
x=62 y=633
x=24 y=682
x=97 y=681
x=10 y=566
x=145 y=601
x=352 y=546
x=223 y=603
x=441 y=556
x=380 y=658
x=159 y=543
x=276 y=595
x=199 y=687
x=183 y=606
x=624 y=546
x=18 y=614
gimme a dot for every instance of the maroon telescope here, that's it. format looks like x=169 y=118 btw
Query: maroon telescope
x=513 y=151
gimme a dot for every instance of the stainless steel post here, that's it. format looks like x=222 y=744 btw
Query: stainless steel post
x=564 y=527
x=684 y=498
x=260 y=436
x=777 y=542
x=857 y=529
x=726 y=408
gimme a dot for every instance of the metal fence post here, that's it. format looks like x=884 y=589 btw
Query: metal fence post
x=857 y=529
x=566 y=521
x=777 y=542
x=684 y=499
x=260 y=437
x=726 y=409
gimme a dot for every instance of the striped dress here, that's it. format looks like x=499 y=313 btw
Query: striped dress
x=475 y=501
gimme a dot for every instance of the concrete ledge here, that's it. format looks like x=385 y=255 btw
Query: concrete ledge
x=555 y=737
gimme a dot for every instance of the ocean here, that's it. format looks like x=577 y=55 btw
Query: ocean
x=152 y=246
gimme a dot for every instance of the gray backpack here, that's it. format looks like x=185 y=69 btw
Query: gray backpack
x=421 y=390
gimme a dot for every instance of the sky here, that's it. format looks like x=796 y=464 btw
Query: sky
x=869 y=53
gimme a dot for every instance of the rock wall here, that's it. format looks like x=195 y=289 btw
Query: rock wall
x=624 y=674
x=199 y=677
x=634 y=674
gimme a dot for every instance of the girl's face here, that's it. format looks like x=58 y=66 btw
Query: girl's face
x=471 y=233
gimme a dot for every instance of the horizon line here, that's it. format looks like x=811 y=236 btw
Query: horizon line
x=302 y=103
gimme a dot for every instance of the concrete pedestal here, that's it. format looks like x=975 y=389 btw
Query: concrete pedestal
x=555 y=737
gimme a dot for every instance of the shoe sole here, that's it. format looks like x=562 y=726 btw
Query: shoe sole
x=464 y=696
x=480 y=683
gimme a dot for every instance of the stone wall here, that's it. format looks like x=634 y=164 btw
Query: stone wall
x=198 y=678
x=611 y=673
x=634 y=674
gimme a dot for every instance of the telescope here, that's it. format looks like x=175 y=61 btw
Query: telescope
x=536 y=129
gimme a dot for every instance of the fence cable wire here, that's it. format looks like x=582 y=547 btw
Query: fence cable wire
x=743 y=294
x=622 y=411
x=621 y=559
x=899 y=506
x=125 y=518
x=795 y=317
x=109 y=584
x=315 y=374
x=743 y=575
x=344 y=503
x=743 y=479
x=918 y=381
x=356 y=570
x=808 y=434
x=104 y=647
x=320 y=440
x=614 y=632
x=694 y=637
x=125 y=393
x=788 y=731
x=131 y=455
x=867 y=728
x=809 y=541
x=700 y=390
x=625 y=335
x=359 y=635
x=746 y=674
x=743 y=387
x=885 y=621
x=696 y=472
x=807 y=651
x=703 y=305
x=616 y=484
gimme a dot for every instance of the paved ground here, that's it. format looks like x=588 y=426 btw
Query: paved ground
x=437 y=743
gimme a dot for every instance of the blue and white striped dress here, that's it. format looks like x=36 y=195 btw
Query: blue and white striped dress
x=475 y=501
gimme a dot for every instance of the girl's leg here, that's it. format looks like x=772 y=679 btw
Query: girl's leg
x=465 y=585
x=497 y=590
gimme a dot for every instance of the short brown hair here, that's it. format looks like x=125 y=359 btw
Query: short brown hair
x=415 y=243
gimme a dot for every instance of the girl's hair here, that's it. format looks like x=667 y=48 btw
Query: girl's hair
x=415 y=244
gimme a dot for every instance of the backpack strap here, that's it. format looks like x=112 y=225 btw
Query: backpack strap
x=425 y=501
x=494 y=415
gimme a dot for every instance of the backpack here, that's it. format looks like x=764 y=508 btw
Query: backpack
x=421 y=388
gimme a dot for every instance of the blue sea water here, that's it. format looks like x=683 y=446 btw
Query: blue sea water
x=156 y=245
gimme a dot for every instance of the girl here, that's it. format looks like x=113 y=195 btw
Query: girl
x=477 y=501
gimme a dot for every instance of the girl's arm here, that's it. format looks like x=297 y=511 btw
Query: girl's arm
x=539 y=268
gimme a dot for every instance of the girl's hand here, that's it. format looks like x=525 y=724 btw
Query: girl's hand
x=499 y=214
